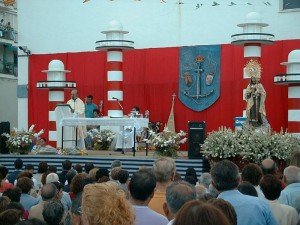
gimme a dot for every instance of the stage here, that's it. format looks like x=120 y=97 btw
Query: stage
x=103 y=159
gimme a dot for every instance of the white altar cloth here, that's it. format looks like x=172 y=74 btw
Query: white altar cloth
x=105 y=121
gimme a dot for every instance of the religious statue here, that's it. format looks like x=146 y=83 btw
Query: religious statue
x=255 y=96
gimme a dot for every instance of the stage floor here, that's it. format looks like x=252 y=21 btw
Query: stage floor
x=129 y=153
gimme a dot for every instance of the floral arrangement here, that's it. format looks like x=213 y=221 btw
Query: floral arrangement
x=249 y=145
x=20 y=141
x=166 y=143
x=102 y=139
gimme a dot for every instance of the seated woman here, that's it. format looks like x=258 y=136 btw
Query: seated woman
x=42 y=147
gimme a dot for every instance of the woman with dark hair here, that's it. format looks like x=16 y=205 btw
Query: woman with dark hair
x=196 y=212
x=42 y=168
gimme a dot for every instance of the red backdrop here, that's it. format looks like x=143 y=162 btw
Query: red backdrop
x=151 y=77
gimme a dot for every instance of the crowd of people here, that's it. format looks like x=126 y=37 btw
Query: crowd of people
x=85 y=194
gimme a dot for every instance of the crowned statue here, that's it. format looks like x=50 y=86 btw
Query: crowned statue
x=255 y=97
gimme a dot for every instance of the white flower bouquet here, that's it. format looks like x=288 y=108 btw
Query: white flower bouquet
x=166 y=143
x=249 y=145
x=21 y=141
x=102 y=139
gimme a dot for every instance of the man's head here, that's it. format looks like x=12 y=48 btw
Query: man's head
x=48 y=192
x=29 y=168
x=3 y=172
x=116 y=163
x=142 y=185
x=43 y=167
x=18 y=164
x=268 y=166
x=205 y=180
x=25 y=184
x=291 y=174
x=74 y=94
x=177 y=194
x=271 y=186
x=89 y=99
x=14 y=194
x=96 y=113
x=88 y=166
x=252 y=173
x=66 y=165
x=164 y=169
x=225 y=175
x=136 y=109
x=53 y=212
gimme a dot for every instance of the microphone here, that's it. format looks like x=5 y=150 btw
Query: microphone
x=115 y=98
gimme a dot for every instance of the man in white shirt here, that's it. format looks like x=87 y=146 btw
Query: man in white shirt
x=78 y=110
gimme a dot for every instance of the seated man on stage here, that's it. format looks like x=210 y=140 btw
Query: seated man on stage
x=125 y=138
x=89 y=139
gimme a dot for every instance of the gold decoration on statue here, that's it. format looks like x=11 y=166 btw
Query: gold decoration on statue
x=9 y=2
x=253 y=69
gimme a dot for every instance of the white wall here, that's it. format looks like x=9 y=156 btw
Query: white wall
x=52 y=26
x=8 y=99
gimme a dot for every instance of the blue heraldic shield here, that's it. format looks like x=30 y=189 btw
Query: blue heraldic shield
x=199 y=76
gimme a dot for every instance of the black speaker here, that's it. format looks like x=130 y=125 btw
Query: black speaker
x=4 y=128
x=196 y=136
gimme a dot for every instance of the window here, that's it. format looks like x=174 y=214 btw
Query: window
x=290 y=4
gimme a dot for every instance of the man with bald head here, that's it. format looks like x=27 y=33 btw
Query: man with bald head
x=289 y=195
x=78 y=109
x=177 y=194
x=268 y=166
x=48 y=193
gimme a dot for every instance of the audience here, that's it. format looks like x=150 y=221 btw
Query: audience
x=18 y=169
x=105 y=204
x=10 y=217
x=249 y=209
x=66 y=166
x=3 y=175
x=196 y=212
x=253 y=173
x=289 y=195
x=53 y=213
x=284 y=214
x=247 y=188
x=205 y=180
x=123 y=178
x=88 y=167
x=177 y=194
x=48 y=194
x=141 y=187
x=42 y=168
x=164 y=171
x=295 y=159
x=4 y=201
x=26 y=184
x=268 y=166
x=226 y=208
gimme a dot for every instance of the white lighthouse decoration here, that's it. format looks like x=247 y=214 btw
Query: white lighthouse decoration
x=292 y=79
x=56 y=83
x=114 y=45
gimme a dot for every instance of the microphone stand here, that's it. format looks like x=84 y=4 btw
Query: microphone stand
x=120 y=104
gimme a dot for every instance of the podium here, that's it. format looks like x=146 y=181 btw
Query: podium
x=66 y=137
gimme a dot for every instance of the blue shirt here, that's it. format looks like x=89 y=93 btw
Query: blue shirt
x=28 y=201
x=249 y=210
x=290 y=194
x=89 y=110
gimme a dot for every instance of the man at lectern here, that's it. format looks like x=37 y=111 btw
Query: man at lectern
x=77 y=108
